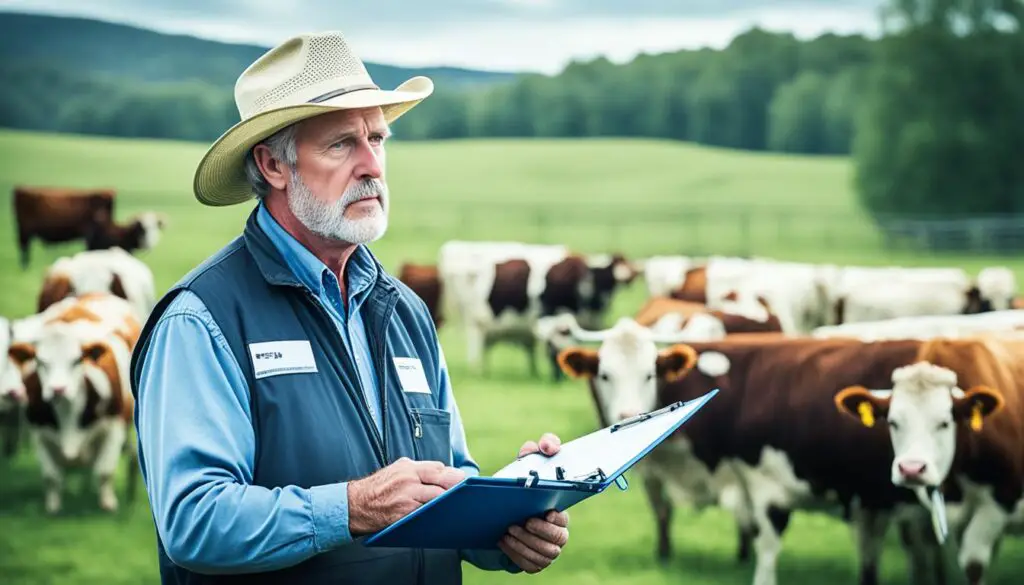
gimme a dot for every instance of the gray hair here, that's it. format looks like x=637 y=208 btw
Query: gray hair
x=282 y=147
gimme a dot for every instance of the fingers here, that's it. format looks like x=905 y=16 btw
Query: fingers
x=558 y=518
x=527 y=448
x=542 y=545
x=439 y=475
x=552 y=533
x=423 y=493
x=550 y=444
x=517 y=558
x=520 y=551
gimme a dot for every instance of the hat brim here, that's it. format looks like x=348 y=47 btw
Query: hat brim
x=220 y=177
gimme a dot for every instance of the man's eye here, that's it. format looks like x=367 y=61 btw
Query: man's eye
x=377 y=139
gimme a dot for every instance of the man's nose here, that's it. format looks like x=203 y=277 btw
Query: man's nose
x=911 y=469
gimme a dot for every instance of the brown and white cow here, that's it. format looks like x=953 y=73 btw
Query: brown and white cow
x=113 y=271
x=770 y=442
x=956 y=422
x=500 y=290
x=79 y=404
x=425 y=281
x=56 y=215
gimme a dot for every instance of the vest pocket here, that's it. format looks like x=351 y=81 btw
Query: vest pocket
x=431 y=434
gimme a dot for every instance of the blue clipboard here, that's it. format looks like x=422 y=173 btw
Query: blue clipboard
x=475 y=513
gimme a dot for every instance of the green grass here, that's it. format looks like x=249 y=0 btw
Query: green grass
x=449 y=190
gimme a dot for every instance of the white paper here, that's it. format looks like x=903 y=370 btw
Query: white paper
x=272 y=358
x=601 y=449
x=411 y=376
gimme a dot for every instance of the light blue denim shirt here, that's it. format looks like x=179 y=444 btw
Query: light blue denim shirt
x=195 y=428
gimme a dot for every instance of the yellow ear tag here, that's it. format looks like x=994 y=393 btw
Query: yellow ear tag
x=976 y=416
x=867 y=414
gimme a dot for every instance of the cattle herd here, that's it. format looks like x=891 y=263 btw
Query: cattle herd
x=64 y=372
x=855 y=390
x=859 y=391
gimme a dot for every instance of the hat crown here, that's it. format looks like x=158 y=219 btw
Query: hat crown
x=298 y=70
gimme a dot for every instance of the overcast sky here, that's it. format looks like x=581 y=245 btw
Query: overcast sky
x=535 y=35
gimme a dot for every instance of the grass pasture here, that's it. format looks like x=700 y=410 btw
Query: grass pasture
x=447 y=191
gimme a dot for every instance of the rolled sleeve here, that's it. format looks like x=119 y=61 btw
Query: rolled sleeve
x=330 y=515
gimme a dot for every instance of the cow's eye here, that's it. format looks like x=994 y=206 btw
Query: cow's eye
x=944 y=425
x=894 y=425
x=650 y=376
x=603 y=376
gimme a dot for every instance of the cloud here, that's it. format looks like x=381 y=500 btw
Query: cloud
x=537 y=35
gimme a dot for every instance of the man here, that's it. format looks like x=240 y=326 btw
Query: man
x=292 y=397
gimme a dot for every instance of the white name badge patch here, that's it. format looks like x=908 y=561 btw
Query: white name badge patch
x=410 y=374
x=272 y=358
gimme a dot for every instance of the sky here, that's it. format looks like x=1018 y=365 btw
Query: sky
x=500 y=35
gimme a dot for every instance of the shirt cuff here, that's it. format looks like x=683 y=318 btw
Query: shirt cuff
x=330 y=515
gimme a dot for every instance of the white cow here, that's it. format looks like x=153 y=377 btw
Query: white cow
x=77 y=359
x=663 y=274
x=110 y=270
x=927 y=326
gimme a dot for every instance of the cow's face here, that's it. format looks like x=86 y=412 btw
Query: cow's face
x=923 y=410
x=61 y=362
x=996 y=288
x=626 y=371
x=151 y=226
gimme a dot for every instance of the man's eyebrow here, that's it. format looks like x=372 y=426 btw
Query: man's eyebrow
x=344 y=133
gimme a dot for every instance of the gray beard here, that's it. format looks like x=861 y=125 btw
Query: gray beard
x=328 y=220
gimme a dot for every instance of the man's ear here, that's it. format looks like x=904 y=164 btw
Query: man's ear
x=675 y=362
x=977 y=403
x=21 y=352
x=578 y=362
x=274 y=171
x=861 y=404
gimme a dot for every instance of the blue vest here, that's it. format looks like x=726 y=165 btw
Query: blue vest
x=314 y=428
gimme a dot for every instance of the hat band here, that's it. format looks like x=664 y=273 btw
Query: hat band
x=342 y=91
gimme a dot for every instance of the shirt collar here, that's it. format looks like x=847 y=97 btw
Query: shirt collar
x=360 y=271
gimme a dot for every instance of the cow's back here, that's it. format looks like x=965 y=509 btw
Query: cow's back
x=61 y=213
x=778 y=393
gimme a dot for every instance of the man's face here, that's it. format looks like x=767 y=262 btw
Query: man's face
x=339 y=191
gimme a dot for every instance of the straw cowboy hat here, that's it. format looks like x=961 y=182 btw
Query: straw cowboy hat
x=305 y=76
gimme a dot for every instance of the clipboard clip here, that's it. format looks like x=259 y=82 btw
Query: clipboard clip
x=645 y=416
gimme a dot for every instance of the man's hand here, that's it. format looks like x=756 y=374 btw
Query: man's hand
x=377 y=501
x=537 y=544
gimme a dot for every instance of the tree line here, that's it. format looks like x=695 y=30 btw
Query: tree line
x=932 y=113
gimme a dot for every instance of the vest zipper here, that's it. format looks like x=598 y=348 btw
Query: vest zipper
x=417 y=429
x=382 y=377
x=380 y=448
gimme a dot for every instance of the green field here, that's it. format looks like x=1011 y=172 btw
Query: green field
x=472 y=190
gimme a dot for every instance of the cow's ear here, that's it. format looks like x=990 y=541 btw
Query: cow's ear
x=857 y=401
x=94 y=351
x=976 y=404
x=21 y=352
x=675 y=362
x=578 y=362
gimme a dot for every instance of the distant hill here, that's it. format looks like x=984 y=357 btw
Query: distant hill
x=91 y=46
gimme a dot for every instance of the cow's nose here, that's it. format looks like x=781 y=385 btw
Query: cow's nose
x=60 y=390
x=911 y=469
